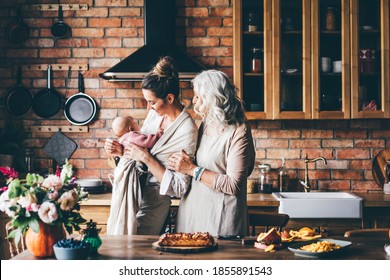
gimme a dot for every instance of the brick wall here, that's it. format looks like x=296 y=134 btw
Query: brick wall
x=111 y=30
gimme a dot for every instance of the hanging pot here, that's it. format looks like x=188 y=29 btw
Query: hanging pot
x=60 y=29
x=80 y=108
x=47 y=102
x=18 y=32
x=17 y=100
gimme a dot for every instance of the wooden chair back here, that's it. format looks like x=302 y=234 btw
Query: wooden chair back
x=369 y=232
x=14 y=248
x=267 y=219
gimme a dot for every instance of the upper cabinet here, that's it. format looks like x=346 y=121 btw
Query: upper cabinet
x=312 y=59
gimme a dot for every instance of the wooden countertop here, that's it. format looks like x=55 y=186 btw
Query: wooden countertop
x=255 y=200
x=139 y=247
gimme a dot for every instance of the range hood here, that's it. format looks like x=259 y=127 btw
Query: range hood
x=160 y=27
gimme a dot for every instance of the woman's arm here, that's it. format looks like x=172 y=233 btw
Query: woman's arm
x=113 y=148
x=240 y=162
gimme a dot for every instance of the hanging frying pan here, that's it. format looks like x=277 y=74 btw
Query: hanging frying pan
x=18 y=31
x=80 y=108
x=47 y=102
x=60 y=29
x=17 y=100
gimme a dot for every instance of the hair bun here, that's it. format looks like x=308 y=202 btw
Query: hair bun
x=165 y=68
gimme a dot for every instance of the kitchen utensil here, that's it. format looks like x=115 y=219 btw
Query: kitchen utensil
x=18 y=100
x=80 y=108
x=337 y=66
x=18 y=32
x=47 y=102
x=378 y=166
x=89 y=182
x=60 y=147
x=60 y=29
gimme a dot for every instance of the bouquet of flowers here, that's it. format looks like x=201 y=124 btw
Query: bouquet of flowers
x=54 y=200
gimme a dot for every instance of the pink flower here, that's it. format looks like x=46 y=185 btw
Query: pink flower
x=9 y=172
x=52 y=182
x=68 y=200
x=48 y=212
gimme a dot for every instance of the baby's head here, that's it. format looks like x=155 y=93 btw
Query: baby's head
x=122 y=125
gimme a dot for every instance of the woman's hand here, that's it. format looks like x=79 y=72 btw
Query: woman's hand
x=113 y=148
x=181 y=162
x=136 y=153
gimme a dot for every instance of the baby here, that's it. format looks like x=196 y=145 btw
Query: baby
x=128 y=131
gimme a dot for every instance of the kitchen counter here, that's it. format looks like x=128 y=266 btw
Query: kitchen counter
x=255 y=200
x=139 y=247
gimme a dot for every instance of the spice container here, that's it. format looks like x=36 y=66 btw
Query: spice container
x=330 y=19
x=265 y=186
x=256 y=61
x=91 y=236
x=252 y=22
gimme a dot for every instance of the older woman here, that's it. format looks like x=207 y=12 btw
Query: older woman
x=161 y=91
x=216 y=201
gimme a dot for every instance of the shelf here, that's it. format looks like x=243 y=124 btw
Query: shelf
x=54 y=128
x=54 y=7
x=254 y=33
x=253 y=74
x=55 y=67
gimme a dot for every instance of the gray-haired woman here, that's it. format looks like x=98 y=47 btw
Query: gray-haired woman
x=216 y=201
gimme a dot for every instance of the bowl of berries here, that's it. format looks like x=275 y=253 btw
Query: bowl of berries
x=71 y=249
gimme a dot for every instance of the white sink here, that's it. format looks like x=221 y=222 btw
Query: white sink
x=320 y=204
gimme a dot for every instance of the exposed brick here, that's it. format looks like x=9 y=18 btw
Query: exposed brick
x=95 y=163
x=72 y=42
x=87 y=173
x=256 y=133
x=369 y=143
x=200 y=41
x=214 y=3
x=227 y=41
x=271 y=143
x=361 y=164
x=337 y=185
x=111 y=3
x=347 y=175
x=195 y=31
x=260 y=153
x=193 y=12
x=118 y=52
x=93 y=12
x=364 y=186
x=352 y=154
x=221 y=12
x=219 y=31
x=381 y=134
x=282 y=153
x=132 y=22
x=104 y=22
x=208 y=22
x=337 y=143
x=128 y=12
x=284 y=133
x=88 y=52
x=269 y=124
x=88 y=143
x=334 y=164
x=92 y=32
x=105 y=42
x=314 y=153
x=119 y=32
x=317 y=134
x=305 y=143
x=85 y=153
x=353 y=134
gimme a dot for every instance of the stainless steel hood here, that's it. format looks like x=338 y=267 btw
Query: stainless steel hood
x=159 y=24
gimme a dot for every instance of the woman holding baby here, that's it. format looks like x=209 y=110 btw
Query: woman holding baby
x=160 y=88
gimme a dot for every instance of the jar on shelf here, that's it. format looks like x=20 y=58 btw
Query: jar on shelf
x=252 y=22
x=256 y=60
x=330 y=19
x=265 y=186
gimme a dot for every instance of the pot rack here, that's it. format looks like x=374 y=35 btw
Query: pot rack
x=54 y=7
x=55 y=128
x=55 y=67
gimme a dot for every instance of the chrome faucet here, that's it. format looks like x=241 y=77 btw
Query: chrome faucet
x=306 y=184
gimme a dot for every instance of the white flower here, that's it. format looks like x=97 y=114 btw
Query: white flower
x=68 y=200
x=6 y=204
x=66 y=172
x=26 y=200
x=52 y=182
x=48 y=212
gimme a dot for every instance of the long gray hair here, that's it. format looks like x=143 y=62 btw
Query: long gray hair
x=219 y=103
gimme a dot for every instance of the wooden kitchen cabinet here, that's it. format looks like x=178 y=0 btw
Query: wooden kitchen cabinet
x=312 y=58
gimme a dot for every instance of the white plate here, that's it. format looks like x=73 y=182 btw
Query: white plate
x=302 y=253
x=290 y=71
x=89 y=182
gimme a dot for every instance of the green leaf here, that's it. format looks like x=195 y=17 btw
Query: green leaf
x=14 y=189
x=34 y=225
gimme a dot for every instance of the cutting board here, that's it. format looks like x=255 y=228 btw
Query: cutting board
x=378 y=166
x=60 y=147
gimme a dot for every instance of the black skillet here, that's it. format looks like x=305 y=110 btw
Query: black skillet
x=60 y=29
x=47 y=102
x=18 y=32
x=80 y=108
x=18 y=100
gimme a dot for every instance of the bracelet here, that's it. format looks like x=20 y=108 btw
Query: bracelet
x=198 y=171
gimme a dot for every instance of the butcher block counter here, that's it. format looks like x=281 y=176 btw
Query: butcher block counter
x=140 y=247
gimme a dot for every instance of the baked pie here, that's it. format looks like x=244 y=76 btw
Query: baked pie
x=199 y=239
